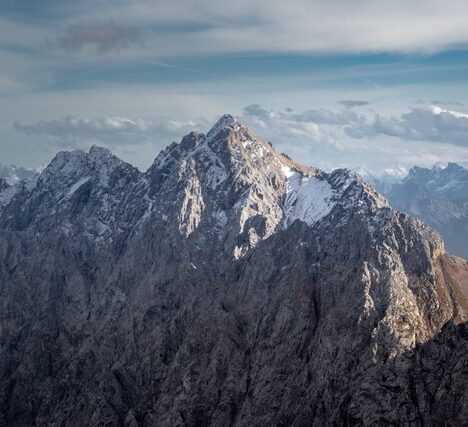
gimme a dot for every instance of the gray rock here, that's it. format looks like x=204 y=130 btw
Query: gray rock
x=227 y=285
x=3 y=185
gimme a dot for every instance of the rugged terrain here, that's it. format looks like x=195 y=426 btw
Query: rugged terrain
x=13 y=174
x=227 y=285
x=439 y=197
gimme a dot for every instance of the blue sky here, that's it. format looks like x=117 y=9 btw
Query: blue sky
x=375 y=86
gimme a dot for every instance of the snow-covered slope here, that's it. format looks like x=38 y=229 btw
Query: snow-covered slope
x=308 y=198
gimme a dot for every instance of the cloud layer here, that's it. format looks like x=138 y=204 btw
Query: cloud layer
x=110 y=71
x=351 y=103
x=178 y=27
x=435 y=125
x=110 y=131
x=369 y=141
x=326 y=138
x=103 y=38
x=297 y=25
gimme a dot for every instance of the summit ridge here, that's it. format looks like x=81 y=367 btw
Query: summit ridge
x=226 y=285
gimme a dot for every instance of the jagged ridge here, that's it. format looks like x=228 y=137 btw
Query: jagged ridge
x=439 y=197
x=227 y=285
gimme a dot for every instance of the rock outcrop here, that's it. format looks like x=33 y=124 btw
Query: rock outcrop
x=227 y=285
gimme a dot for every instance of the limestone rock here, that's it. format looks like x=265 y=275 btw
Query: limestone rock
x=227 y=285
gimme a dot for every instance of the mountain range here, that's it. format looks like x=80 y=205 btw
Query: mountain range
x=226 y=285
x=13 y=174
x=439 y=197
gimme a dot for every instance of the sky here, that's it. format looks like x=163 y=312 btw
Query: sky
x=374 y=85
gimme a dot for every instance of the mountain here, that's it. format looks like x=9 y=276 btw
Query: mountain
x=439 y=197
x=12 y=174
x=3 y=184
x=226 y=285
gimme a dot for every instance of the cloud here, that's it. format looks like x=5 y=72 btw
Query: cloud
x=296 y=133
x=312 y=136
x=9 y=84
x=324 y=138
x=208 y=26
x=103 y=38
x=445 y=102
x=435 y=125
x=326 y=117
x=351 y=103
x=366 y=142
x=317 y=116
x=301 y=26
x=75 y=131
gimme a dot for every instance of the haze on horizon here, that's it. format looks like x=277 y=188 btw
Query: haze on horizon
x=371 y=86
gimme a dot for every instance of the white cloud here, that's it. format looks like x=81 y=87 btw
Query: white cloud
x=38 y=84
x=438 y=110
x=111 y=131
x=320 y=137
x=372 y=143
x=434 y=124
x=317 y=116
x=297 y=25
x=311 y=136
x=179 y=27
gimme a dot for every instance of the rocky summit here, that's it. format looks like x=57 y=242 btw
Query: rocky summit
x=226 y=285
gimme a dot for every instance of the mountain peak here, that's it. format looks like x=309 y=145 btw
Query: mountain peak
x=98 y=163
x=99 y=151
x=224 y=122
x=225 y=254
x=454 y=167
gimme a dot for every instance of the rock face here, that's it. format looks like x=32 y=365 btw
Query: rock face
x=439 y=197
x=227 y=285
x=3 y=185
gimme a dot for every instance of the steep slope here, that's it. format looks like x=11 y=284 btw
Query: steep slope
x=439 y=197
x=227 y=285
x=3 y=185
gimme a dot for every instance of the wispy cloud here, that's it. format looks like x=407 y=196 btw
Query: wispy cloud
x=351 y=103
x=326 y=138
x=110 y=131
x=103 y=38
x=117 y=67
x=209 y=26
x=304 y=134
x=319 y=116
x=367 y=142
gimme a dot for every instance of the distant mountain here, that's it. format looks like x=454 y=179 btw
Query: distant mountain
x=439 y=197
x=226 y=286
x=12 y=174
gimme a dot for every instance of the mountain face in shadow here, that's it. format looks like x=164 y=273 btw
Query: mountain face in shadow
x=226 y=285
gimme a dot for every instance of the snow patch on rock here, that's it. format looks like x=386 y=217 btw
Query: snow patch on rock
x=77 y=185
x=308 y=199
